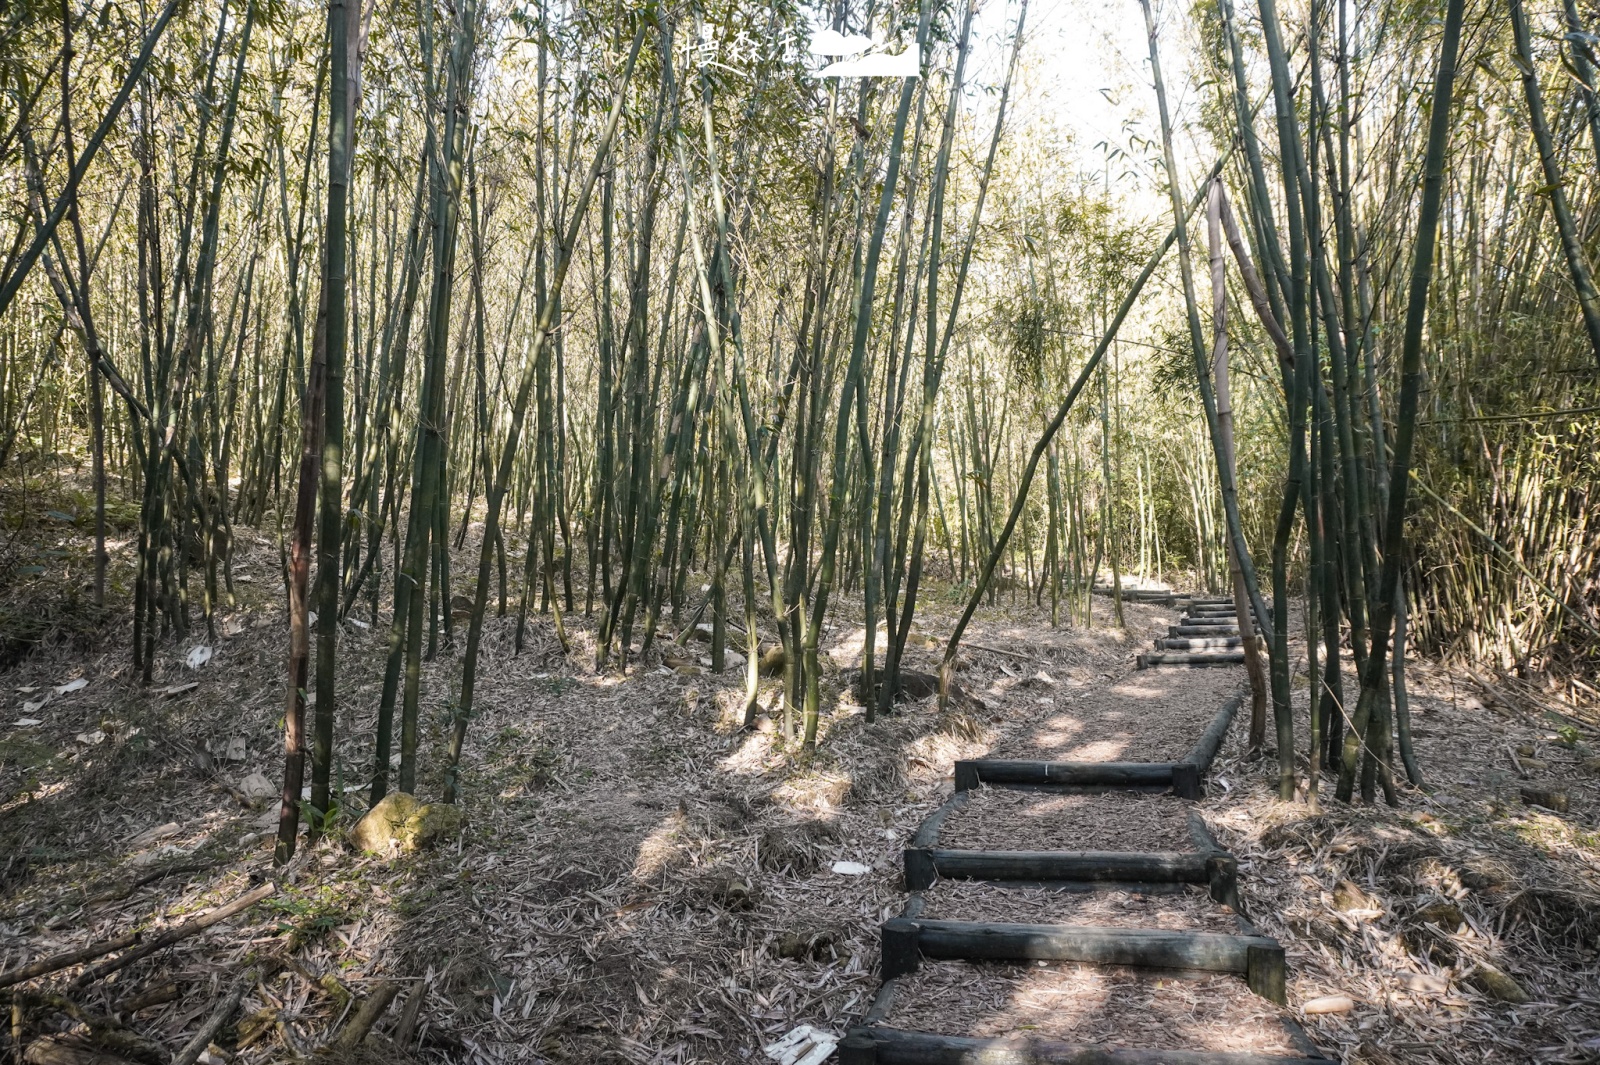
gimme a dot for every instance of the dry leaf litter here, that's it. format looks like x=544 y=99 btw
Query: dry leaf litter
x=999 y=820
x=1089 y=1004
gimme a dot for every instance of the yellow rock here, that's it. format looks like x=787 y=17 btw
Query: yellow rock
x=401 y=823
x=773 y=660
x=1497 y=984
x=1446 y=915
x=1348 y=897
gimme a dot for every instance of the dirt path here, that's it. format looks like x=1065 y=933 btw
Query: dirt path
x=640 y=881
x=1054 y=921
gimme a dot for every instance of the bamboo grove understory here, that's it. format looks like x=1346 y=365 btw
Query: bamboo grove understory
x=595 y=324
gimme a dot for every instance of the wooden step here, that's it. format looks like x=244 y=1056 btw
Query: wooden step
x=1259 y=959
x=1141 y=595
x=1191 y=658
x=874 y=1045
x=1202 y=630
x=1197 y=643
x=970 y=773
x=1218 y=871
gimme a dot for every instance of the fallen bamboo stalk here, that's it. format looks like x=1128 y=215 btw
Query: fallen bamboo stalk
x=45 y=966
x=220 y=1016
x=1000 y=651
x=106 y=1033
x=367 y=1014
x=176 y=934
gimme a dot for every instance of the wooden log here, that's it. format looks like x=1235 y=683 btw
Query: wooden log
x=882 y=1003
x=1131 y=595
x=1210 y=742
x=1197 y=643
x=1267 y=971
x=972 y=772
x=1208 y=631
x=1222 y=620
x=1186 y=780
x=928 y=832
x=899 y=947
x=1153 y=948
x=1200 y=835
x=919 y=869
x=1190 y=658
x=923 y=866
x=1093 y=887
x=857 y=1049
x=1222 y=879
x=892 y=1046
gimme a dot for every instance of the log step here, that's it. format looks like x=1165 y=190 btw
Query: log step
x=1191 y=658
x=970 y=773
x=891 y=1046
x=1259 y=958
x=1197 y=643
x=1218 y=871
x=1138 y=595
x=1202 y=630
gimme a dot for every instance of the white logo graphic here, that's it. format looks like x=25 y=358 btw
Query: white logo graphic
x=872 y=64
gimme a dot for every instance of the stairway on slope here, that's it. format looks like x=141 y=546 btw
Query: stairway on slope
x=1206 y=635
x=1065 y=913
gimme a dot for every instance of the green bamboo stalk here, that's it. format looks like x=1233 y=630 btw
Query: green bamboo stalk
x=947 y=667
x=1555 y=182
x=12 y=282
x=495 y=492
x=1372 y=678
x=343 y=100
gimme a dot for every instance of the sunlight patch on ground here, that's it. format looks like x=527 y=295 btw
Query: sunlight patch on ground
x=1058 y=731
x=658 y=848
x=749 y=759
x=1098 y=751
x=819 y=791
x=1137 y=690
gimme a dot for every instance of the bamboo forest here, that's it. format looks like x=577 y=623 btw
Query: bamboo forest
x=682 y=532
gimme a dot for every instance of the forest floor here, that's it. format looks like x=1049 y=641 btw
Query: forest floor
x=642 y=881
